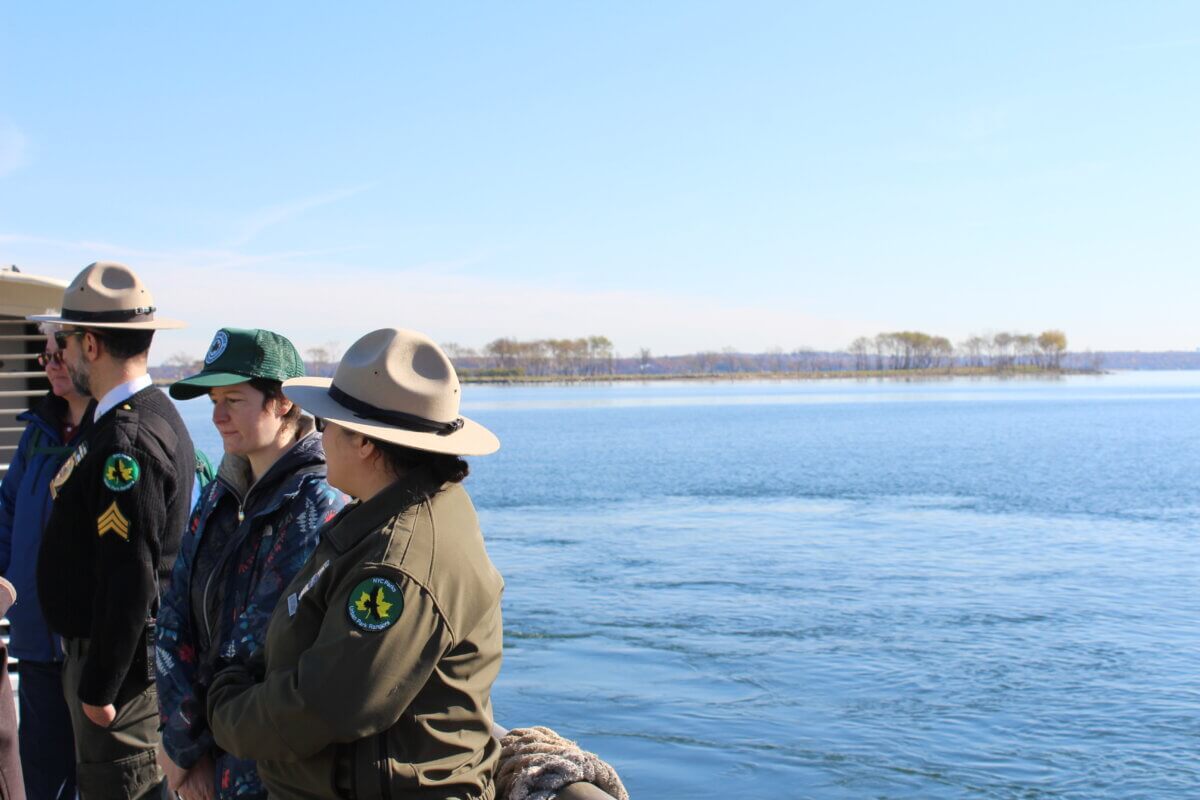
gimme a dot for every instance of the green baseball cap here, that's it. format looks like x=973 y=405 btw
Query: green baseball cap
x=238 y=354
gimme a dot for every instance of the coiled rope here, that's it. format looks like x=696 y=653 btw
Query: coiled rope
x=535 y=763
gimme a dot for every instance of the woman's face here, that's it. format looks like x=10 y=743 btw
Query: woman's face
x=338 y=445
x=56 y=371
x=238 y=415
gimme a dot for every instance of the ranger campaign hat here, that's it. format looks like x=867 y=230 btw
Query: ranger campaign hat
x=108 y=295
x=397 y=386
x=238 y=354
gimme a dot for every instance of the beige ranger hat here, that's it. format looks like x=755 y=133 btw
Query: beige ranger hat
x=108 y=295
x=397 y=386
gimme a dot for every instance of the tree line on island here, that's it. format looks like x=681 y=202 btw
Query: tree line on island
x=898 y=351
x=916 y=350
x=592 y=357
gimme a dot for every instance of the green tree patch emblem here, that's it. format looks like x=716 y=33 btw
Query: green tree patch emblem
x=375 y=604
x=121 y=472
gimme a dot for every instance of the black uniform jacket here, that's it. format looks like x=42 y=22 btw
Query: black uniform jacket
x=121 y=504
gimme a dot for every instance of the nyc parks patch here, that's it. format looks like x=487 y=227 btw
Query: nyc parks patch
x=120 y=472
x=375 y=604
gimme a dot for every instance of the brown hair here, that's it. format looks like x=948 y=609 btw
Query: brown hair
x=123 y=344
x=273 y=391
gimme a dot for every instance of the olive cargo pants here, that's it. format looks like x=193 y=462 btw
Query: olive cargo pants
x=117 y=762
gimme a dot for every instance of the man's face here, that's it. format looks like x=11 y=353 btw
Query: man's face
x=76 y=363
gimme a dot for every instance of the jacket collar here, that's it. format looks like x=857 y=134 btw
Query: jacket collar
x=119 y=394
x=48 y=413
x=359 y=519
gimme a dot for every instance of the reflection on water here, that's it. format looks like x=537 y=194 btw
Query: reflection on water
x=968 y=588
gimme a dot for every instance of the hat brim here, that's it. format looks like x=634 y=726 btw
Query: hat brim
x=197 y=385
x=147 y=325
x=312 y=395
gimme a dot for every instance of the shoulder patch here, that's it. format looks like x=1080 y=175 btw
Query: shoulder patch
x=120 y=472
x=375 y=604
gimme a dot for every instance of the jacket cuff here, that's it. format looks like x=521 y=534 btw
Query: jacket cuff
x=228 y=684
x=97 y=689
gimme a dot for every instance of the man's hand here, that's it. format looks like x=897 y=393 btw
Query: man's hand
x=175 y=773
x=201 y=781
x=101 y=715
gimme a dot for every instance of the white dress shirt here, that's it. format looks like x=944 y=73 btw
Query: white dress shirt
x=119 y=394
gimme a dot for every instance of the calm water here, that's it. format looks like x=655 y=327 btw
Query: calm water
x=851 y=590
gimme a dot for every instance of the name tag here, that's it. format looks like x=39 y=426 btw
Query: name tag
x=294 y=597
x=64 y=472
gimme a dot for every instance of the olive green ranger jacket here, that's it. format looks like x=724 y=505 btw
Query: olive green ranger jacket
x=379 y=659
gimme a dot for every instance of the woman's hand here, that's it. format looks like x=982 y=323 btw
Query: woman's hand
x=175 y=773
x=201 y=781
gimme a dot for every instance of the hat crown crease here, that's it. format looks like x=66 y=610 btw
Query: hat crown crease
x=106 y=286
x=401 y=371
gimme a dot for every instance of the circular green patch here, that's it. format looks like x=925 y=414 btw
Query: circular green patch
x=121 y=472
x=375 y=604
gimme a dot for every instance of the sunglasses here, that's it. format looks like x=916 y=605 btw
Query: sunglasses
x=62 y=337
x=45 y=359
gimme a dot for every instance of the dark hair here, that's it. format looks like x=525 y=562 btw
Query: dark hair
x=273 y=390
x=123 y=344
x=400 y=459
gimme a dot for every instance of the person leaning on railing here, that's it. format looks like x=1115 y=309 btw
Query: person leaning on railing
x=378 y=664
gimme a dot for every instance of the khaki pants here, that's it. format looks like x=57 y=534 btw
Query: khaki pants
x=117 y=762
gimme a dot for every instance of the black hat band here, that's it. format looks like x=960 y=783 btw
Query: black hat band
x=399 y=419
x=141 y=314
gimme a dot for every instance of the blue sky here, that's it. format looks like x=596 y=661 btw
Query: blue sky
x=679 y=176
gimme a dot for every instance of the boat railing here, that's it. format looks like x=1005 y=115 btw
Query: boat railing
x=21 y=381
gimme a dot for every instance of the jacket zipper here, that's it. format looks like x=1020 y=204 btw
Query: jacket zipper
x=230 y=549
x=241 y=516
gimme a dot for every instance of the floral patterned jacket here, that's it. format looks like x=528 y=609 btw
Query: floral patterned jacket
x=243 y=545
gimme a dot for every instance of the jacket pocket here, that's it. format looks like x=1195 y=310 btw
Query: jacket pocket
x=371 y=778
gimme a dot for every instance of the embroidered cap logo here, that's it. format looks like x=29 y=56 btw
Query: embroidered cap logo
x=217 y=348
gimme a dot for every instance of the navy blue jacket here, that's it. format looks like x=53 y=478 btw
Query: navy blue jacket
x=24 y=508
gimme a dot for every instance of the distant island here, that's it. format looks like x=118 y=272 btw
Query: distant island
x=897 y=354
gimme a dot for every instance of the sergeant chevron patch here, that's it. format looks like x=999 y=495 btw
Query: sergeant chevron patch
x=112 y=520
